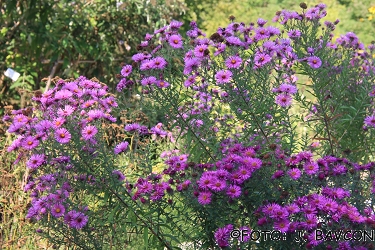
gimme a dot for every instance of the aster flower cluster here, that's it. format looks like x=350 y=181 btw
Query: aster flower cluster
x=71 y=110
x=325 y=211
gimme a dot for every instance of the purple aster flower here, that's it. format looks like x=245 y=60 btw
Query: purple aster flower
x=183 y=186
x=233 y=62
x=233 y=40
x=57 y=210
x=175 y=41
x=282 y=225
x=294 y=34
x=279 y=213
x=35 y=161
x=58 y=122
x=162 y=84
x=132 y=127
x=175 y=25
x=62 y=135
x=63 y=94
x=158 y=63
x=200 y=50
x=288 y=88
x=284 y=100
x=95 y=114
x=223 y=76
x=190 y=81
x=233 y=191
x=89 y=132
x=205 y=181
x=67 y=111
x=314 y=62
x=15 y=127
x=30 y=143
x=78 y=219
x=294 y=173
x=339 y=169
x=222 y=235
x=122 y=147
x=261 y=22
x=261 y=33
x=261 y=59
x=118 y=174
x=311 y=168
x=218 y=185
x=204 y=198
x=126 y=70
x=277 y=174
x=370 y=121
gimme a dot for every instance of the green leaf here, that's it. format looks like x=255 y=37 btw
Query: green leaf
x=145 y=237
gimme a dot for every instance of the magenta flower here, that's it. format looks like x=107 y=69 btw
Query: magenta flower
x=294 y=34
x=223 y=76
x=370 y=121
x=200 y=50
x=233 y=191
x=89 y=132
x=57 y=210
x=205 y=182
x=222 y=235
x=311 y=168
x=175 y=41
x=162 y=84
x=204 y=198
x=158 y=63
x=30 y=143
x=63 y=94
x=294 y=173
x=148 y=80
x=314 y=62
x=67 y=111
x=288 y=88
x=77 y=219
x=233 y=62
x=62 y=135
x=122 y=147
x=126 y=70
x=118 y=174
x=58 y=122
x=261 y=59
x=218 y=185
x=35 y=161
x=282 y=225
x=284 y=100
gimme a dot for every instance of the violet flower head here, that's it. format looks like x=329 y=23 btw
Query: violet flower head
x=314 y=62
x=175 y=41
x=62 y=135
x=118 y=175
x=122 y=147
x=233 y=62
x=30 y=143
x=223 y=76
x=89 y=132
x=126 y=70
x=284 y=100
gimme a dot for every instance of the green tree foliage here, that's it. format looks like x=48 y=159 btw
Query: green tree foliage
x=41 y=38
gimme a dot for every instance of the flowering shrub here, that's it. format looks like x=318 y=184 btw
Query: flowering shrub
x=236 y=157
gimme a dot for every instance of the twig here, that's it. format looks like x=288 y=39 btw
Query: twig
x=53 y=71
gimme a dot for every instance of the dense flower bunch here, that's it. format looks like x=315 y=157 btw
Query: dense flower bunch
x=68 y=117
x=253 y=70
x=236 y=102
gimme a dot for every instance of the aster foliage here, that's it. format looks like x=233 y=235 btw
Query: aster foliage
x=249 y=167
x=233 y=157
